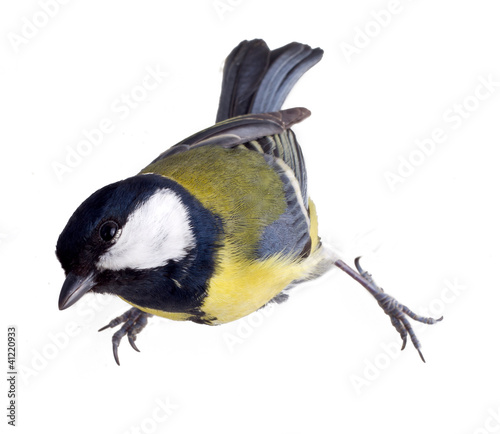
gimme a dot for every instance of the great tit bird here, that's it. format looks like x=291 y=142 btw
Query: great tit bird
x=221 y=223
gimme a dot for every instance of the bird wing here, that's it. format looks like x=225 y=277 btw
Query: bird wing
x=267 y=133
x=240 y=129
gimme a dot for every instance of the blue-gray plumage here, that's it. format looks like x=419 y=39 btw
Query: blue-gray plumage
x=289 y=234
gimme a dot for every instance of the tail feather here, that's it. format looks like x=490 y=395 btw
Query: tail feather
x=258 y=80
x=287 y=65
x=243 y=71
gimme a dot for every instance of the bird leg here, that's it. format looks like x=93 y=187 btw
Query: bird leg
x=397 y=312
x=134 y=321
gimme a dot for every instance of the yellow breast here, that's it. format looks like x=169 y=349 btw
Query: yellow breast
x=240 y=287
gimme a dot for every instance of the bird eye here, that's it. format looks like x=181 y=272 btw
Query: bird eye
x=108 y=230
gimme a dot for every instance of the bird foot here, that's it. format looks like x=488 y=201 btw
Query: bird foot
x=134 y=321
x=396 y=311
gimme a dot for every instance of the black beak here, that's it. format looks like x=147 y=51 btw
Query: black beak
x=74 y=288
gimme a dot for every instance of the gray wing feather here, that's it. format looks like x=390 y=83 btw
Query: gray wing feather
x=285 y=147
x=241 y=129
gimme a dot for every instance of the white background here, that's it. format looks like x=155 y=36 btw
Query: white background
x=326 y=361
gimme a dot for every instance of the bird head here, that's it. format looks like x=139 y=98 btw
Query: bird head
x=124 y=234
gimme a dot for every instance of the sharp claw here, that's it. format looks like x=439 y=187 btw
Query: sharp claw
x=132 y=343
x=365 y=274
x=421 y=355
x=404 y=345
x=104 y=328
x=358 y=266
x=115 y=353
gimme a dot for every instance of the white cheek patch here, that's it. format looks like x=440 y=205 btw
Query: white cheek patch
x=156 y=232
